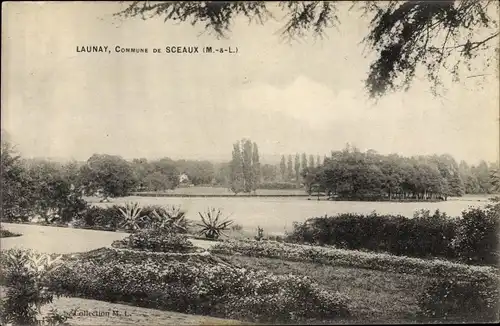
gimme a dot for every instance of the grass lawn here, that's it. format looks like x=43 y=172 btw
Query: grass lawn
x=377 y=296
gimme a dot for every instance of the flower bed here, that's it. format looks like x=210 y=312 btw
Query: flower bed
x=348 y=258
x=156 y=240
x=197 y=283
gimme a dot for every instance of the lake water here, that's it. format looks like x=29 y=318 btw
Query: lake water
x=276 y=215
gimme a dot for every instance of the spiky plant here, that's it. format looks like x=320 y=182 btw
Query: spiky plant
x=260 y=234
x=131 y=216
x=212 y=223
x=50 y=215
x=172 y=219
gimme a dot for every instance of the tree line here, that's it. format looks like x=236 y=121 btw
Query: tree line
x=353 y=174
x=292 y=172
x=246 y=174
x=348 y=173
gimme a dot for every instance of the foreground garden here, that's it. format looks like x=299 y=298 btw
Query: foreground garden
x=339 y=269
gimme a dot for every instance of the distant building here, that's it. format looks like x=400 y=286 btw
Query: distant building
x=183 y=178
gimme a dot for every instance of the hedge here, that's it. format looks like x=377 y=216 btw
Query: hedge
x=472 y=238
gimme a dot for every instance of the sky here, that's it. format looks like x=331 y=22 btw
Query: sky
x=306 y=96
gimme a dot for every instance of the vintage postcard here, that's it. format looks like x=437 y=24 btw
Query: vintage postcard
x=251 y=162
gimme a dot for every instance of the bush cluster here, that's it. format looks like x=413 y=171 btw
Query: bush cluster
x=156 y=240
x=197 y=286
x=477 y=237
x=111 y=218
x=471 y=239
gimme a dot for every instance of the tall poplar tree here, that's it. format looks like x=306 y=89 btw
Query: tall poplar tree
x=297 y=168
x=304 y=162
x=283 y=168
x=311 y=162
x=289 y=168
x=255 y=167
x=247 y=165
x=236 y=180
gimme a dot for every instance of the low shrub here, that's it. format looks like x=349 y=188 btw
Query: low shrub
x=101 y=218
x=469 y=298
x=477 y=238
x=157 y=240
x=7 y=234
x=204 y=285
x=348 y=258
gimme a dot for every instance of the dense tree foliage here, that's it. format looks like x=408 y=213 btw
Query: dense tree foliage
x=353 y=174
x=312 y=180
x=405 y=36
x=270 y=173
x=479 y=179
x=110 y=174
x=54 y=191
x=222 y=174
x=199 y=172
x=15 y=183
x=35 y=187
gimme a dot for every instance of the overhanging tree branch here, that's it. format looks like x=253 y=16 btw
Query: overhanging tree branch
x=404 y=35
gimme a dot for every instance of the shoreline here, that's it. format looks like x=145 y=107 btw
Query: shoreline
x=310 y=197
x=151 y=194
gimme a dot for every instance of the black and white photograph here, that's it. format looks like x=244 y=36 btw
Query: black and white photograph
x=250 y=162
